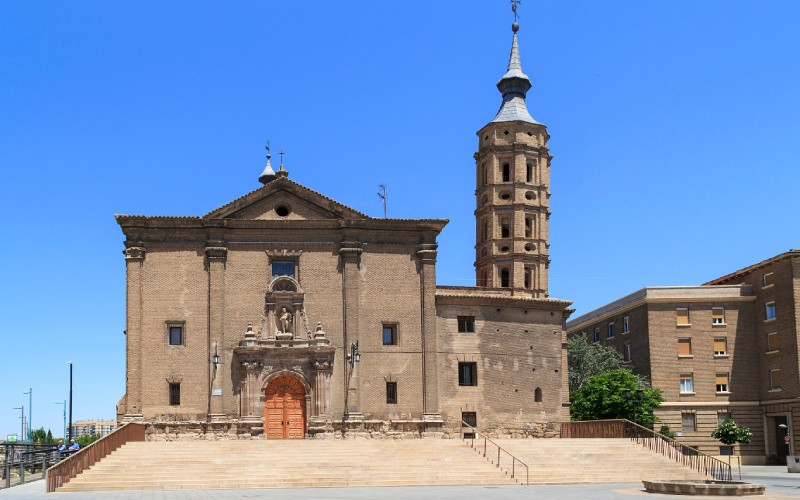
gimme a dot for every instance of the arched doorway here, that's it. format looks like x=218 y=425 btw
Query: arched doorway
x=285 y=409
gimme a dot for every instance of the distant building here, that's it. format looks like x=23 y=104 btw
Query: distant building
x=726 y=349
x=89 y=427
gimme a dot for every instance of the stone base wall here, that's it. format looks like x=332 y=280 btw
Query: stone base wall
x=194 y=430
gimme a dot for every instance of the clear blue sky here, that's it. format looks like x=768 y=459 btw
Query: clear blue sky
x=674 y=132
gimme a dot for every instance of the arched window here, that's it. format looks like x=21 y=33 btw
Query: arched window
x=504 y=278
x=537 y=395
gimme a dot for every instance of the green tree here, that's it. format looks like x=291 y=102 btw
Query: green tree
x=604 y=396
x=587 y=359
x=42 y=437
x=86 y=440
x=666 y=431
x=730 y=434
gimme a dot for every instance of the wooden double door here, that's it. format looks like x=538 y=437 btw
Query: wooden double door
x=285 y=409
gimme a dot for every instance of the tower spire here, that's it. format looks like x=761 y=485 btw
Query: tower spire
x=514 y=86
x=268 y=174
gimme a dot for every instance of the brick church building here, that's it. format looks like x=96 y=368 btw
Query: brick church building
x=285 y=314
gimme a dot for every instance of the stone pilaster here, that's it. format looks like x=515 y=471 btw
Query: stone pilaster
x=350 y=262
x=221 y=390
x=430 y=373
x=134 y=270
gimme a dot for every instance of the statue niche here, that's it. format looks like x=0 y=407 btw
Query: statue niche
x=284 y=317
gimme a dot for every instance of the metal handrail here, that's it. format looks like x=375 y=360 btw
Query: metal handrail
x=486 y=440
x=60 y=473
x=668 y=447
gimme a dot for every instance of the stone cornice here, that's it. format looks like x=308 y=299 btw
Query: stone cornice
x=462 y=295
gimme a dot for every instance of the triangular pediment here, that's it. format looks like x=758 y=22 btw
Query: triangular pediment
x=283 y=199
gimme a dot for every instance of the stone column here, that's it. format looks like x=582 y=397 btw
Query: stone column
x=216 y=255
x=134 y=270
x=250 y=390
x=430 y=372
x=350 y=255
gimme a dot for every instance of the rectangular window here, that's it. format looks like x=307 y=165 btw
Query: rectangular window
x=723 y=417
x=626 y=324
x=506 y=172
x=469 y=418
x=684 y=347
x=687 y=383
x=391 y=393
x=769 y=279
x=720 y=346
x=175 y=334
x=774 y=379
x=466 y=324
x=771 y=310
x=505 y=228
x=627 y=352
x=772 y=342
x=467 y=373
x=389 y=335
x=528 y=227
x=722 y=382
x=597 y=334
x=688 y=422
x=610 y=333
x=174 y=394
x=682 y=316
x=717 y=316
x=282 y=268
x=529 y=173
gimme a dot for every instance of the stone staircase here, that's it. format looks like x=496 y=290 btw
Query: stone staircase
x=179 y=465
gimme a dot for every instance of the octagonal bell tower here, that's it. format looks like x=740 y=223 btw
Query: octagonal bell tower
x=513 y=192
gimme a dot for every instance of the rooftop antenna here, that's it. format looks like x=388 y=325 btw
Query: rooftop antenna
x=382 y=196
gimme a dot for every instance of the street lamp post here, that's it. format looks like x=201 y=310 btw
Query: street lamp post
x=22 y=421
x=30 y=413
x=70 y=399
x=65 y=414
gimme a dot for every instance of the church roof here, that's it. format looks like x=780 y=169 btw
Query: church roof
x=514 y=86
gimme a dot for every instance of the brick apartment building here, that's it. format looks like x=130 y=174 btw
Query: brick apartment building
x=285 y=314
x=726 y=349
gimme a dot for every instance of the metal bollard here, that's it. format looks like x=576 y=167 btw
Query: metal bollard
x=44 y=465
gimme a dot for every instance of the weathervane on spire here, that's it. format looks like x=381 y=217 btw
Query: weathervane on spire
x=267 y=148
x=514 y=4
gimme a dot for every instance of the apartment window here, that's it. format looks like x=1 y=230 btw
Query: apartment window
x=610 y=331
x=174 y=394
x=774 y=379
x=466 y=324
x=717 y=316
x=682 y=316
x=723 y=417
x=626 y=324
x=688 y=422
x=391 y=393
x=771 y=310
x=469 y=418
x=283 y=268
x=389 y=334
x=684 y=347
x=720 y=346
x=506 y=172
x=768 y=279
x=772 y=342
x=627 y=352
x=175 y=333
x=687 y=383
x=597 y=334
x=504 y=278
x=467 y=373
x=722 y=382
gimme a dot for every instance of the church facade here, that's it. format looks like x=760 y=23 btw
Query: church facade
x=285 y=314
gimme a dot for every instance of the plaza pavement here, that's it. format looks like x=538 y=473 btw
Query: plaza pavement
x=780 y=485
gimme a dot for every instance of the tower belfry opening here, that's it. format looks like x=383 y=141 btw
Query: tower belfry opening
x=513 y=191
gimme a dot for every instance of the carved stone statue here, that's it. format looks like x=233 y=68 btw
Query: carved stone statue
x=285 y=321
